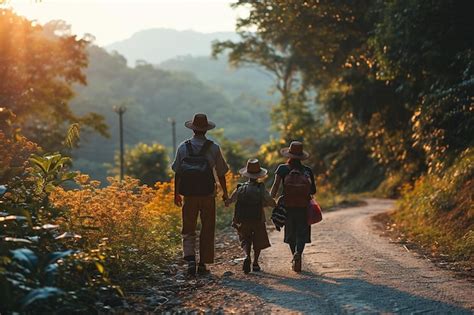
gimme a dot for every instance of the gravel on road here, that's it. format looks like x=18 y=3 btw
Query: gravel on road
x=348 y=268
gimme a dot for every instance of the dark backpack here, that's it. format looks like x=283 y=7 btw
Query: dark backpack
x=296 y=189
x=196 y=175
x=249 y=204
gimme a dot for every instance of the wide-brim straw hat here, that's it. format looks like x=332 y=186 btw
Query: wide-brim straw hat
x=200 y=123
x=295 y=151
x=253 y=169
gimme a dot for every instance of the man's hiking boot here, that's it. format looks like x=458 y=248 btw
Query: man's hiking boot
x=296 y=263
x=191 y=268
x=246 y=265
x=202 y=270
x=256 y=267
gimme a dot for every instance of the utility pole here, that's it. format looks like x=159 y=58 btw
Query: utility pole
x=120 y=110
x=173 y=132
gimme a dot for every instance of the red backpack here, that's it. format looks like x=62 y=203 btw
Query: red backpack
x=296 y=189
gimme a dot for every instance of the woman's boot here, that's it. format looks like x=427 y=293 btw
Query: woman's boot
x=296 y=263
x=247 y=261
x=255 y=265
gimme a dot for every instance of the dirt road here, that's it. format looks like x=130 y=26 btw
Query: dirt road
x=348 y=268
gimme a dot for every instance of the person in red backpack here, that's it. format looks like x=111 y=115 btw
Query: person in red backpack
x=298 y=186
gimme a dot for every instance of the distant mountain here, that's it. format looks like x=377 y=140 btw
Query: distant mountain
x=159 y=44
x=251 y=82
x=188 y=52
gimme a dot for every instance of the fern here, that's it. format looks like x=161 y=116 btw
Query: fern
x=72 y=136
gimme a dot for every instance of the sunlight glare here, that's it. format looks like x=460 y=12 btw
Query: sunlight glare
x=110 y=21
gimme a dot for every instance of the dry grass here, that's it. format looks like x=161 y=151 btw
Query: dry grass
x=437 y=212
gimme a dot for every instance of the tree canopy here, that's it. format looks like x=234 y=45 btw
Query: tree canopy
x=38 y=67
x=397 y=75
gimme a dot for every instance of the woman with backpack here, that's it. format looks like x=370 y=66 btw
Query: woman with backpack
x=298 y=186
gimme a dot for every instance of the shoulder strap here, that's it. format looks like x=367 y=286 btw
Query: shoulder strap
x=243 y=185
x=205 y=147
x=189 y=147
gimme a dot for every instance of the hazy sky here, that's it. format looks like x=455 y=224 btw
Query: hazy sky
x=112 y=20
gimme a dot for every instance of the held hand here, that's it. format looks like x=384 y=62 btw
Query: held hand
x=227 y=202
x=235 y=224
x=225 y=197
x=178 y=201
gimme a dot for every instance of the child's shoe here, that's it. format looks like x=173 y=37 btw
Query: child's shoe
x=191 y=268
x=246 y=265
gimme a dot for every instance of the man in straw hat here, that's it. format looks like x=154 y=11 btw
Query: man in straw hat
x=249 y=219
x=197 y=163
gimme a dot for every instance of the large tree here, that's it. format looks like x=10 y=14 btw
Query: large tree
x=397 y=74
x=291 y=116
x=38 y=66
x=322 y=46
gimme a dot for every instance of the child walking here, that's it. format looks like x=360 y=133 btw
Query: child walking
x=249 y=218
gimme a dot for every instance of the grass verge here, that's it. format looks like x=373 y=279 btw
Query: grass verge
x=437 y=213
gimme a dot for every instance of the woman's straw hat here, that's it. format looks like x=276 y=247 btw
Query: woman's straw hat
x=200 y=123
x=295 y=151
x=253 y=169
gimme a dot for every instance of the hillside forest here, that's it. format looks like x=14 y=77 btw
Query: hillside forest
x=380 y=93
x=154 y=94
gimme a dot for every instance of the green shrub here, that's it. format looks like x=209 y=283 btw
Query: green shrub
x=44 y=267
x=148 y=163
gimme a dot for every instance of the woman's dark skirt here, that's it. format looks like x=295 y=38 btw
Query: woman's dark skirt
x=296 y=226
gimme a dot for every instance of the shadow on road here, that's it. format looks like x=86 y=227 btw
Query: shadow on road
x=309 y=292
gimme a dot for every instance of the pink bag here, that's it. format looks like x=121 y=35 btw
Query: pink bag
x=314 y=212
